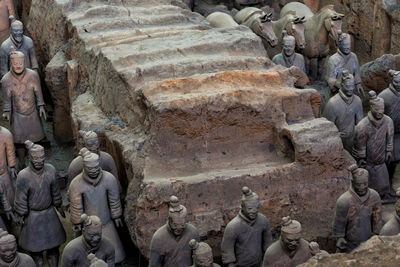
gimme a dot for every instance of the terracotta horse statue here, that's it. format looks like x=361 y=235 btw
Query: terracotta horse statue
x=259 y=22
x=294 y=26
x=319 y=28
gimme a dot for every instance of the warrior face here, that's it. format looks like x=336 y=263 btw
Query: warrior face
x=345 y=45
x=8 y=251
x=92 y=236
x=18 y=64
x=348 y=87
x=177 y=224
x=396 y=82
x=360 y=185
x=17 y=31
x=92 y=145
x=250 y=208
x=92 y=169
x=291 y=241
x=204 y=260
x=377 y=111
x=37 y=159
x=289 y=45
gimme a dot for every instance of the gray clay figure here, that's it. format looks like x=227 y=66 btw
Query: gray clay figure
x=95 y=262
x=91 y=142
x=247 y=236
x=357 y=213
x=202 y=254
x=343 y=59
x=289 y=57
x=36 y=198
x=316 y=252
x=392 y=227
x=9 y=256
x=290 y=249
x=91 y=241
x=23 y=103
x=345 y=110
x=7 y=160
x=95 y=192
x=7 y=11
x=21 y=43
x=373 y=146
x=391 y=96
x=170 y=243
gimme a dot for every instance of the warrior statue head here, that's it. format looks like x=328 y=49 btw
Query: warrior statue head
x=394 y=76
x=289 y=44
x=344 y=41
x=250 y=203
x=359 y=181
x=91 y=230
x=377 y=105
x=347 y=84
x=17 y=60
x=91 y=163
x=91 y=141
x=8 y=246
x=290 y=233
x=17 y=30
x=36 y=155
x=176 y=216
x=202 y=254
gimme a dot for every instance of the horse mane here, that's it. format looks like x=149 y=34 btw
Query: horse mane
x=292 y=12
x=330 y=7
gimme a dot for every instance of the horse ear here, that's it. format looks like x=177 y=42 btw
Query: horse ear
x=269 y=15
x=340 y=16
x=292 y=12
x=303 y=19
x=266 y=18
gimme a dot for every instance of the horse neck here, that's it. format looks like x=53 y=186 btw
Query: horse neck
x=318 y=22
x=279 y=26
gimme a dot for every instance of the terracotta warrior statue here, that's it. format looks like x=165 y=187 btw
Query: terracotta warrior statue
x=392 y=227
x=21 y=43
x=289 y=57
x=345 y=110
x=6 y=11
x=91 y=142
x=290 y=249
x=23 y=103
x=95 y=192
x=95 y=262
x=91 y=241
x=36 y=198
x=357 y=213
x=247 y=236
x=202 y=254
x=7 y=160
x=170 y=243
x=9 y=256
x=391 y=97
x=373 y=146
x=316 y=251
x=343 y=59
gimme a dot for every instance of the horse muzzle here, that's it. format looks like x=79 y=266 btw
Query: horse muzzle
x=273 y=42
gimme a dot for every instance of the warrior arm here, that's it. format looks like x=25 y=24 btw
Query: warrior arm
x=359 y=114
x=32 y=58
x=4 y=59
x=389 y=136
x=21 y=196
x=55 y=191
x=267 y=237
x=68 y=258
x=360 y=143
x=38 y=90
x=6 y=96
x=340 y=217
x=4 y=199
x=10 y=150
x=357 y=72
x=156 y=259
x=76 y=205
x=377 y=216
x=110 y=258
x=329 y=112
x=228 y=246
x=114 y=199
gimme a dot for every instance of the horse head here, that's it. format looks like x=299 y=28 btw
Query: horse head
x=296 y=29
x=263 y=27
x=333 y=24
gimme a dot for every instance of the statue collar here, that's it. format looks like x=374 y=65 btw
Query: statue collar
x=91 y=181
x=289 y=60
x=35 y=171
x=395 y=92
x=247 y=220
x=176 y=237
x=20 y=76
x=375 y=122
x=343 y=55
x=14 y=263
x=15 y=43
x=362 y=199
x=346 y=99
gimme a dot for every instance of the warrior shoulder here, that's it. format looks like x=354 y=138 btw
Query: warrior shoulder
x=374 y=195
x=344 y=200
